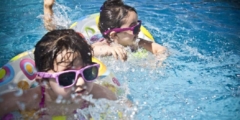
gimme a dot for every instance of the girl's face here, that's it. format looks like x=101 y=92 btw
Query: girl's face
x=127 y=38
x=69 y=60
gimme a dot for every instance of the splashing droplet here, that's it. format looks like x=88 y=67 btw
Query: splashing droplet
x=21 y=105
x=19 y=92
x=59 y=99
x=35 y=96
x=63 y=101
x=73 y=96
x=10 y=87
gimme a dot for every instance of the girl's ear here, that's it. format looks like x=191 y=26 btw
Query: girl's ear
x=38 y=79
x=113 y=36
x=43 y=82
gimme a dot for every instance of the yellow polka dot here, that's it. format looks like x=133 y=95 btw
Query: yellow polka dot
x=29 y=68
x=2 y=73
x=120 y=115
x=23 y=85
x=59 y=118
x=29 y=114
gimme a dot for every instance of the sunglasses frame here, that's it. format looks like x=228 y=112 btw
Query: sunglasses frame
x=77 y=73
x=125 y=29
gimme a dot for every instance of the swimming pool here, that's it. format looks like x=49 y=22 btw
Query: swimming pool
x=199 y=80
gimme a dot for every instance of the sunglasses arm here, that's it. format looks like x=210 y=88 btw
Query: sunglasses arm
x=45 y=75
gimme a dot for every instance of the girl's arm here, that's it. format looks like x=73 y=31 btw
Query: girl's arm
x=48 y=14
x=14 y=100
x=102 y=48
x=153 y=47
x=9 y=103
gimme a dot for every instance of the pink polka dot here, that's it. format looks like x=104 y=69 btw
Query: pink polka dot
x=8 y=116
x=115 y=81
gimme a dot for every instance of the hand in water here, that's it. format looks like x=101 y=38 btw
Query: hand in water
x=48 y=13
x=48 y=2
x=118 y=52
x=160 y=57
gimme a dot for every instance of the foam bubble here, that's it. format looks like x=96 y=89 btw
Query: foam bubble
x=59 y=99
x=19 y=92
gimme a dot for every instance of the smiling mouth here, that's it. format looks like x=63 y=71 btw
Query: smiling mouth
x=80 y=92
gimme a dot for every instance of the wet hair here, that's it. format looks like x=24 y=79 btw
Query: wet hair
x=55 y=42
x=112 y=15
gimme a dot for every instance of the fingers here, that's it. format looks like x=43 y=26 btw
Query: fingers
x=119 y=53
x=48 y=3
x=124 y=54
x=114 y=54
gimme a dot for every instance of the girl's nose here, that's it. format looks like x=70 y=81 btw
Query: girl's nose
x=80 y=81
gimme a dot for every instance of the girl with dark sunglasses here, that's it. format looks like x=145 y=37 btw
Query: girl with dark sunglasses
x=66 y=72
x=119 y=26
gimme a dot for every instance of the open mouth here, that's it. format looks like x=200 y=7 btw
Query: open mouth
x=80 y=92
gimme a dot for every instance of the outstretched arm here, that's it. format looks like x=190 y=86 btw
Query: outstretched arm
x=48 y=14
x=102 y=48
x=153 y=47
x=13 y=101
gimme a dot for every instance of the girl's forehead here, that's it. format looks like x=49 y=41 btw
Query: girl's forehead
x=66 y=56
x=67 y=59
x=131 y=17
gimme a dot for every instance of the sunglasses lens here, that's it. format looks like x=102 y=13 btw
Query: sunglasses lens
x=66 y=79
x=136 y=29
x=90 y=73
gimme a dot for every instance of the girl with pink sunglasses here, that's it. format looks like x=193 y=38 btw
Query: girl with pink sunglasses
x=66 y=72
x=119 y=26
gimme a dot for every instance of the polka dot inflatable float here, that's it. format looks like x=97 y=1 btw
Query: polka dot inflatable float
x=6 y=74
x=28 y=68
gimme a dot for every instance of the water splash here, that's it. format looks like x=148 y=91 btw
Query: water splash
x=60 y=17
x=19 y=92
x=21 y=105
x=59 y=99
x=106 y=109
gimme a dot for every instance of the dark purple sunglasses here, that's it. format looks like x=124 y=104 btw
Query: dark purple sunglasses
x=135 y=29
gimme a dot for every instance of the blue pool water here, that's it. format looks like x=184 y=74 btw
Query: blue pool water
x=199 y=80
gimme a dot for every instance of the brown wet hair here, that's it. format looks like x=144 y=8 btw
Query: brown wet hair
x=112 y=14
x=54 y=43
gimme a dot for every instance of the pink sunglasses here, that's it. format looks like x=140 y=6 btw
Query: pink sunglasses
x=68 y=78
x=135 y=29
